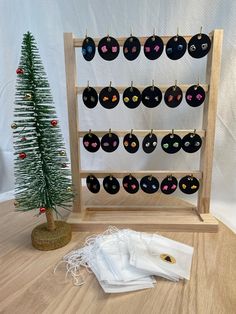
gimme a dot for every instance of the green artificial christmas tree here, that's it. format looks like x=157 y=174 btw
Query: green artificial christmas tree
x=42 y=177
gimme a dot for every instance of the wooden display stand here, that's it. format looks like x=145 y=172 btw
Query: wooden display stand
x=175 y=216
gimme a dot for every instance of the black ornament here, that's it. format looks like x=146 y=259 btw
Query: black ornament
x=151 y=96
x=93 y=184
x=131 y=143
x=191 y=143
x=169 y=185
x=149 y=143
x=131 y=48
x=130 y=184
x=199 y=46
x=90 y=97
x=189 y=184
x=109 y=142
x=171 y=143
x=153 y=47
x=111 y=185
x=195 y=95
x=108 y=48
x=149 y=184
x=91 y=142
x=88 y=49
x=109 y=97
x=173 y=96
x=132 y=97
x=176 y=47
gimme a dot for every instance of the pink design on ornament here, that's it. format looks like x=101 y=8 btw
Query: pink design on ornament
x=134 y=49
x=199 y=96
x=147 y=49
x=133 y=186
x=173 y=187
x=125 y=185
x=94 y=145
x=156 y=48
x=165 y=188
x=114 y=49
x=114 y=143
x=104 y=49
x=86 y=144
x=189 y=97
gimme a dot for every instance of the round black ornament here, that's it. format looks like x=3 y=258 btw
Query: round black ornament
x=176 y=47
x=149 y=184
x=93 y=184
x=189 y=184
x=149 y=143
x=151 y=96
x=90 y=97
x=191 y=143
x=131 y=48
x=199 y=45
x=91 y=142
x=131 y=143
x=173 y=96
x=169 y=185
x=109 y=97
x=195 y=95
x=132 y=97
x=111 y=185
x=108 y=48
x=88 y=49
x=130 y=184
x=171 y=143
x=153 y=47
x=109 y=142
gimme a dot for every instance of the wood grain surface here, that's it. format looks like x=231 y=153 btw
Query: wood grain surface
x=28 y=285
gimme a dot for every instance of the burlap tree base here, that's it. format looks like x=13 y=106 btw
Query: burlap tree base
x=46 y=240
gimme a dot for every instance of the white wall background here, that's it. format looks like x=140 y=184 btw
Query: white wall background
x=48 y=19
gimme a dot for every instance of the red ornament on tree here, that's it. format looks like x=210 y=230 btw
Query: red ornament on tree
x=54 y=122
x=23 y=138
x=19 y=71
x=42 y=210
x=22 y=155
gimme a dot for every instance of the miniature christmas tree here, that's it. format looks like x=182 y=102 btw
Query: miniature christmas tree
x=42 y=177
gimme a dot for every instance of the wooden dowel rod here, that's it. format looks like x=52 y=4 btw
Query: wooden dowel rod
x=141 y=173
x=163 y=88
x=78 y=42
x=142 y=133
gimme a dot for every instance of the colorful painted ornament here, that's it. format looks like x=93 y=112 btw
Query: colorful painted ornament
x=131 y=48
x=22 y=155
x=19 y=71
x=54 y=123
x=88 y=48
x=176 y=47
x=153 y=47
x=189 y=184
x=132 y=97
x=109 y=97
x=108 y=48
x=90 y=97
x=93 y=184
x=42 y=210
x=91 y=142
x=111 y=185
x=173 y=96
x=195 y=95
x=149 y=143
x=191 y=143
x=199 y=45
x=149 y=184
x=130 y=184
x=131 y=143
x=171 y=143
x=169 y=185
x=151 y=96
x=14 y=126
x=110 y=142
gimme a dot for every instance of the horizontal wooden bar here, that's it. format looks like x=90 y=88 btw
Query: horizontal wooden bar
x=163 y=88
x=78 y=42
x=140 y=173
x=142 y=133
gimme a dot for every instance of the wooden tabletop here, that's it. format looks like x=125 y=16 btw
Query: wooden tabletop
x=28 y=285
